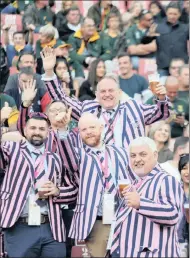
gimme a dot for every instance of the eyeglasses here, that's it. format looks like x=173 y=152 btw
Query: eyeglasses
x=59 y=110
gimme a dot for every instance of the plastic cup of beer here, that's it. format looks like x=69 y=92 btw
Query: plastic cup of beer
x=154 y=80
x=122 y=184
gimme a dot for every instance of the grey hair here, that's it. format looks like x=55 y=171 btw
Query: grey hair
x=144 y=141
x=112 y=77
x=49 y=31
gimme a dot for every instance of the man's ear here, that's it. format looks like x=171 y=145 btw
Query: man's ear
x=25 y=131
x=156 y=155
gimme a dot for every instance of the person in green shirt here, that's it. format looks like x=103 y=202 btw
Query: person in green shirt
x=180 y=109
x=134 y=36
x=184 y=83
x=87 y=44
x=113 y=33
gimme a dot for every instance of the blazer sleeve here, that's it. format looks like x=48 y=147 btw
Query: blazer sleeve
x=6 y=149
x=21 y=123
x=56 y=93
x=153 y=113
x=166 y=211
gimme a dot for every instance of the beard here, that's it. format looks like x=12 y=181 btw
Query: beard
x=36 y=142
x=92 y=141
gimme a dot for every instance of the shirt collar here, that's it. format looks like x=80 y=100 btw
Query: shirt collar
x=114 y=109
x=173 y=25
x=33 y=149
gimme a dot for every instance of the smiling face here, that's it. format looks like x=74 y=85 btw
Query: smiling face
x=185 y=174
x=90 y=129
x=19 y=39
x=162 y=134
x=36 y=131
x=108 y=93
x=125 y=65
x=142 y=159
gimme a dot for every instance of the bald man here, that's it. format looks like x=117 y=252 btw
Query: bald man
x=180 y=108
x=123 y=121
x=100 y=166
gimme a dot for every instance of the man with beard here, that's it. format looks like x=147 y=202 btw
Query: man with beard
x=153 y=204
x=31 y=183
x=100 y=166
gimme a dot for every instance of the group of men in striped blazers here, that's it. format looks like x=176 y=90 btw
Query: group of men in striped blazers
x=84 y=168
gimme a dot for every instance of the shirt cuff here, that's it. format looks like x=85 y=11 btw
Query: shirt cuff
x=46 y=78
x=162 y=101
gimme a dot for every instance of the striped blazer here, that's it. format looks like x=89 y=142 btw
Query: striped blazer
x=19 y=177
x=133 y=116
x=91 y=187
x=150 y=231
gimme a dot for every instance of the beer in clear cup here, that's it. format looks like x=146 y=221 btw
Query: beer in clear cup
x=154 y=80
x=122 y=184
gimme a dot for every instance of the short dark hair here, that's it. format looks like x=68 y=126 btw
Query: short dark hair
x=26 y=70
x=174 y=5
x=123 y=54
x=19 y=32
x=183 y=141
x=184 y=159
x=38 y=116
x=24 y=54
x=72 y=8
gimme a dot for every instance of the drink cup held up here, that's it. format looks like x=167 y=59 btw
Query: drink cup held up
x=154 y=80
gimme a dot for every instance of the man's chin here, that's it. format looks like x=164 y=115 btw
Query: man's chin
x=37 y=143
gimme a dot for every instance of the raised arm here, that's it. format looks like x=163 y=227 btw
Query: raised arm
x=160 y=111
x=167 y=209
x=52 y=84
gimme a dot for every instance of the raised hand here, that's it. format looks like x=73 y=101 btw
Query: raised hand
x=160 y=92
x=49 y=58
x=6 y=26
x=28 y=92
x=5 y=112
x=152 y=31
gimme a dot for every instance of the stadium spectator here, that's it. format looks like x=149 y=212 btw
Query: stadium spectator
x=19 y=44
x=9 y=113
x=175 y=65
x=42 y=97
x=88 y=88
x=180 y=108
x=37 y=15
x=11 y=7
x=143 y=203
x=157 y=11
x=99 y=12
x=171 y=166
x=135 y=10
x=112 y=34
x=134 y=36
x=69 y=23
x=130 y=82
x=88 y=45
x=185 y=13
x=108 y=97
x=160 y=132
x=62 y=50
x=25 y=60
x=4 y=70
x=39 y=227
x=172 y=40
x=63 y=72
x=184 y=83
x=183 y=230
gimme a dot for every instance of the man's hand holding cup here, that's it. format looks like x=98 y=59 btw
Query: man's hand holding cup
x=48 y=189
x=157 y=89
